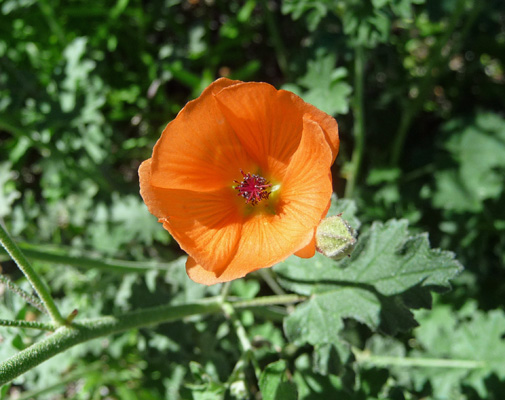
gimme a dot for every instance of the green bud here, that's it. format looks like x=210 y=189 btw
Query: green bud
x=335 y=238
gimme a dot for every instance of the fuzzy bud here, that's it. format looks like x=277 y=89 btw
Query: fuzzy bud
x=335 y=238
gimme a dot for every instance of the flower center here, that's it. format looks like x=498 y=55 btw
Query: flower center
x=253 y=188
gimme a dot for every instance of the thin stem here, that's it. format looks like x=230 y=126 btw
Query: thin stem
x=27 y=324
x=245 y=343
x=268 y=301
x=67 y=336
x=20 y=292
x=280 y=49
x=78 y=332
x=225 y=290
x=268 y=276
x=65 y=380
x=113 y=265
x=52 y=21
x=34 y=279
x=435 y=58
x=358 y=106
x=383 y=361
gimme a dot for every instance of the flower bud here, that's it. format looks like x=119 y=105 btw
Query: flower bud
x=335 y=238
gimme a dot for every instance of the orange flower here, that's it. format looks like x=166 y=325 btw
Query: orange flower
x=241 y=178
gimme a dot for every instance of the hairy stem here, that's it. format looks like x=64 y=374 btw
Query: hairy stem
x=67 y=336
x=358 y=106
x=383 y=361
x=78 y=332
x=27 y=324
x=269 y=301
x=58 y=256
x=34 y=279
x=21 y=293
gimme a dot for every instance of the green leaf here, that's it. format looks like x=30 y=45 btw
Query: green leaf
x=314 y=321
x=315 y=10
x=347 y=208
x=365 y=24
x=386 y=258
x=388 y=273
x=274 y=384
x=325 y=84
x=205 y=386
x=469 y=335
x=477 y=145
x=312 y=385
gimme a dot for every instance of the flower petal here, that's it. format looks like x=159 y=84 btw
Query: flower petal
x=199 y=150
x=267 y=239
x=207 y=225
x=310 y=250
x=268 y=123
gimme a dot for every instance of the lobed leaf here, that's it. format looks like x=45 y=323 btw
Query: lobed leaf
x=388 y=273
x=477 y=145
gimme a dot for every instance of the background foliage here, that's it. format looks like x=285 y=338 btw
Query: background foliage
x=417 y=87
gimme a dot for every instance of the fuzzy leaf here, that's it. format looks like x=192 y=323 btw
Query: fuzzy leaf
x=478 y=146
x=325 y=85
x=386 y=259
x=388 y=273
x=470 y=338
x=274 y=384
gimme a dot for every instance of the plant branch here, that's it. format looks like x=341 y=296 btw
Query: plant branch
x=68 y=336
x=280 y=49
x=27 y=324
x=268 y=276
x=56 y=256
x=20 y=292
x=436 y=57
x=78 y=332
x=384 y=361
x=245 y=343
x=65 y=380
x=34 y=279
x=358 y=106
x=52 y=21
x=268 y=301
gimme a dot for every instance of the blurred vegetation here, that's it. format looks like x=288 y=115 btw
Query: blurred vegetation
x=418 y=89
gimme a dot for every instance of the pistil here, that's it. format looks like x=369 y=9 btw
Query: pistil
x=253 y=188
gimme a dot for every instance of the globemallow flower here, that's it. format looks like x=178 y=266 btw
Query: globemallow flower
x=241 y=178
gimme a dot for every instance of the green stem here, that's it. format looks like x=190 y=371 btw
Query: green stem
x=245 y=343
x=268 y=276
x=113 y=265
x=20 y=292
x=27 y=324
x=65 y=380
x=67 y=336
x=34 y=279
x=268 y=301
x=52 y=21
x=358 y=107
x=14 y=130
x=280 y=49
x=225 y=290
x=79 y=332
x=385 y=361
x=436 y=57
